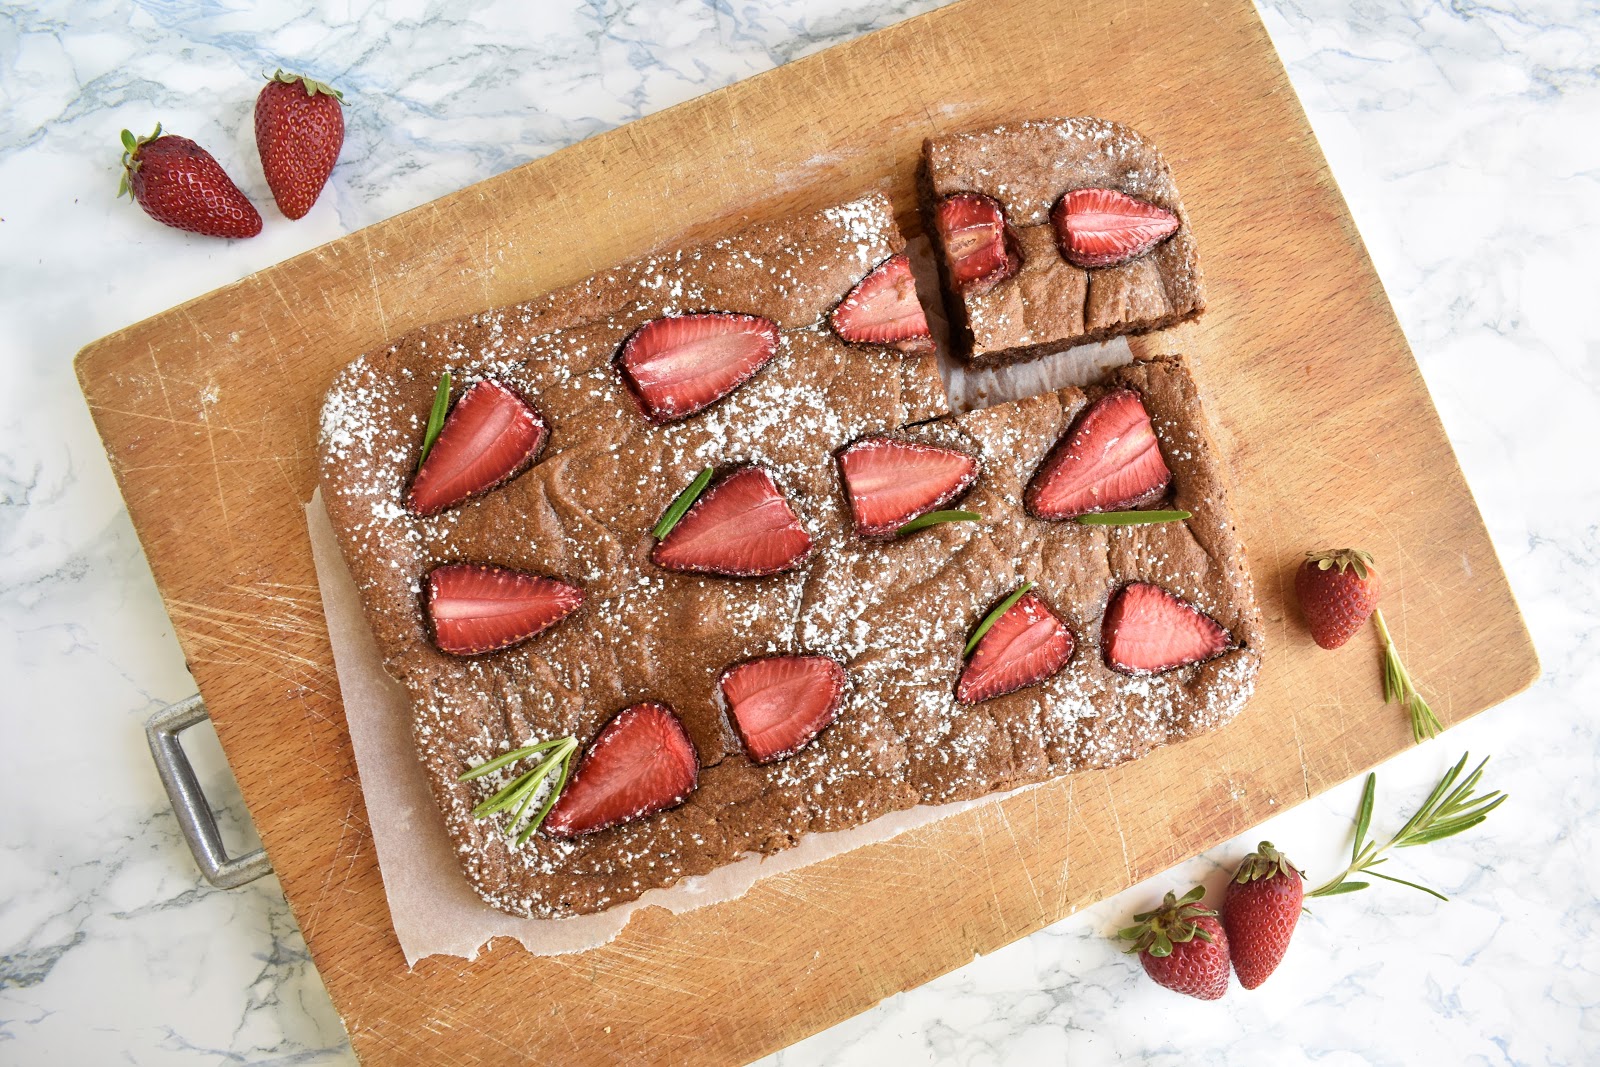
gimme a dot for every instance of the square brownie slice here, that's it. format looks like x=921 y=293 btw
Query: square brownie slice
x=1054 y=233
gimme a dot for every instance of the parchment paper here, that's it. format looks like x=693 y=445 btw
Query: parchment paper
x=435 y=911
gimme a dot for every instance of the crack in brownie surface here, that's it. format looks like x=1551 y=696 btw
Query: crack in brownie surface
x=895 y=613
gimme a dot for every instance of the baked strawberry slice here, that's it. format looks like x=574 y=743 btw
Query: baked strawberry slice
x=1147 y=630
x=890 y=482
x=780 y=703
x=1108 y=459
x=883 y=309
x=476 y=608
x=640 y=763
x=678 y=365
x=1102 y=227
x=1025 y=645
x=491 y=435
x=977 y=251
x=742 y=527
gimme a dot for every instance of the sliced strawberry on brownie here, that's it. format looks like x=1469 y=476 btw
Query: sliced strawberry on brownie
x=1147 y=630
x=889 y=482
x=491 y=435
x=681 y=364
x=742 y=527
x=883 y=309
x=1102 y=227
x=978 y=253
x=640 y=763
x=1108 y=459
x=1025 y=644
x=779 y=703
x=476 y=608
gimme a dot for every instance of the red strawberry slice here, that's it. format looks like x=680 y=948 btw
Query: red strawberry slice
x=977 y=251
x=781 y=702
x=1109 y=459
x=883 y=309
x=640 y=763
x=491 y=435
x=477 y=608
x=743 y=527
x=1102 y=227
x=678 y=365
x=1147 y=630
x=1025 y=645
x=891 y=482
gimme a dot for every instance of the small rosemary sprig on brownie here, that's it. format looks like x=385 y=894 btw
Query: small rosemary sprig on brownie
x=934 y=518
x=681 y=504
x=994 y=616
x=1451 y=808
x=520 y=793
x=441 y=408
x=1132 y=518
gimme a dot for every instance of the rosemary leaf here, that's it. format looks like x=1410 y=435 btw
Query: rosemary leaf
x=681 y=504
x=1132 y=518
x=503 y=799
x=1364 y=817
x=441 y=408
x=934 y=518
x=510 y=757
x=994 y=616
x=550 y=801
x=1413 y=885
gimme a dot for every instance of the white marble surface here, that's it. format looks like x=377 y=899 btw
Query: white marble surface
x=1465 y=138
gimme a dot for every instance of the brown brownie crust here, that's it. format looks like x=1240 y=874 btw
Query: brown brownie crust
x=1051 y=305
x=895 y=614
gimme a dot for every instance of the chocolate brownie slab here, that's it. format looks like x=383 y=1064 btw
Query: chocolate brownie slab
x=896 y=614
x=1024 y=291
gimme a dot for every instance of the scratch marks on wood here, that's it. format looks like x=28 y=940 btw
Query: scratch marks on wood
x=375 y=283
x=270 y=627
x=1122 y=838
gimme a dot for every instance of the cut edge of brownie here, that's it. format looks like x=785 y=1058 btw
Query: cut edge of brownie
x=963 y=340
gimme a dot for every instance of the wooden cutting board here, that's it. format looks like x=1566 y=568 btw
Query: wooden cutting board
x=209 y=414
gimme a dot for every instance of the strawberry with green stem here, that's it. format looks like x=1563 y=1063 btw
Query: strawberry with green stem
x=1182 y=946
x=1338 y=591
x=1259 y=911
x=299 y=132
x=180 y=184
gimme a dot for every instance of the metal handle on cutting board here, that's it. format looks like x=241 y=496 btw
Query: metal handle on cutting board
x=189 y=800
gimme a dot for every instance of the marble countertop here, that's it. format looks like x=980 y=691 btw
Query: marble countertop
x=1464 y=138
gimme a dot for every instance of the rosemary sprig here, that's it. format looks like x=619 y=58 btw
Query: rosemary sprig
x=681 y=504
x=934 y=518
x=520 y=793
x=994 y=616
x=1132 y=518
x=441 y=408
x=1399 y=689
x=1451 y=808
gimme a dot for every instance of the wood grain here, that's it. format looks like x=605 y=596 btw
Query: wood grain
x=209 y=415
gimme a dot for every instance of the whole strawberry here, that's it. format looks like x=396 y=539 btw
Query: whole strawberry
x=1259 y=911
x=178 y=183
x=1182 y=946
x=1338 y=590
x=299 y=131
